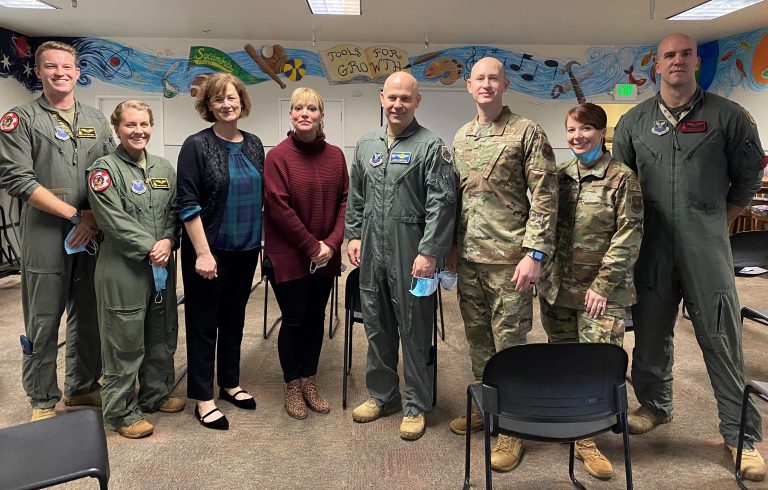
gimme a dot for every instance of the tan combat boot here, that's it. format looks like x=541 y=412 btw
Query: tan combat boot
x=137 y=430
x=506 y=455
x=92 y=399
x=43 y=413
x=597 y=465
x=314 y=401
x=368 y=411
x=644 y=420
x=412 y=428
x=172 y=405
x=459 y=424
x=294 y=401
x=752 y=464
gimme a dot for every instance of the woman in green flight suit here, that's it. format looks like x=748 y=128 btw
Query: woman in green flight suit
x=132 y=194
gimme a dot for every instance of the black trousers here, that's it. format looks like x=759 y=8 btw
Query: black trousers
x=215 y=308
x=302 y=304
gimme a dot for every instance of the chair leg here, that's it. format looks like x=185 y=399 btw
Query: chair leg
x=742 y=430
x=333 y=321
x=466 y=439
x=266 y=299
x=433 y=354
x=347 y=346
x=627 y=453
x=576 y=483
x=442 y=318
x=487 y=450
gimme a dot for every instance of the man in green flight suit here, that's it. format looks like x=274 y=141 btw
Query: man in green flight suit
x=699 y=161
x=46 y=145
x=400 y=218
x=502 y=237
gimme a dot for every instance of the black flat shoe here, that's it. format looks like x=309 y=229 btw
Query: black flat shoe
x=218 y=424
x=245 y=404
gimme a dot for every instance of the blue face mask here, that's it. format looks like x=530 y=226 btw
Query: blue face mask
x=425 y=286
x=447 y=280
x=590 y=156
x=91 y=248
x=161 y=278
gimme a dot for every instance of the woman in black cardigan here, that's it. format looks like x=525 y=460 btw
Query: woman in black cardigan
x=220 y=190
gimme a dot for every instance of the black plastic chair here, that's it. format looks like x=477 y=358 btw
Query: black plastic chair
x=761 y=390
x=750 y=249
x=266 y=273
x=54 y=451
x=354 y=314
x=561 y=392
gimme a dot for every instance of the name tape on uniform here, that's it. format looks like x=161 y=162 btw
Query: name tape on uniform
x=158 y=183
x=86 y=132
x=401 y=157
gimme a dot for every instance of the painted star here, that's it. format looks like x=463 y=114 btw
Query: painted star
x=27 y=70
x=6 y=62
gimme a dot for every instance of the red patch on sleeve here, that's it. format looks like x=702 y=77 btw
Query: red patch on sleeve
x=9 y=122
x=764 y=161
x=99 y=180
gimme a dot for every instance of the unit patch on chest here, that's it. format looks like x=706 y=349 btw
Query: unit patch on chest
x=138 y=187
x=660 y=128
x=158 y=183
x=376 y=159
x=61 y=134
x=400 y=157
x=99 y=180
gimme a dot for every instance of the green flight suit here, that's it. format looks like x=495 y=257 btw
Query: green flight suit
x=135 y=208
x=689 y=172
x=599 y=230
x=498 y=164
x=402 y=202
x=38 y=148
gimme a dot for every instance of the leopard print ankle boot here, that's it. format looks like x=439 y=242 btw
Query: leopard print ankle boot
x=316 y=402
x=294 y=402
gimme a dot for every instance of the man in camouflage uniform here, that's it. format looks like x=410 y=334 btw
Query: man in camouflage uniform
x=400 y=219
x=588 y=282
x=699 y=160
x=46 y=145
x=501 y=236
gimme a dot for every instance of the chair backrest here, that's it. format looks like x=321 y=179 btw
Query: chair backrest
x=556 y=382
x=352 y=292
x=750 y=249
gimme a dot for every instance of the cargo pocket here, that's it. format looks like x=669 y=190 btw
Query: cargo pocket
x=125 y=332
x=584 y=265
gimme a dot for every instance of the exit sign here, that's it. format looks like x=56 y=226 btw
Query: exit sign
x=625 y=91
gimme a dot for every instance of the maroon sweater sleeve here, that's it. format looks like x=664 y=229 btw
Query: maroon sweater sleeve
x=277 y=199
x=336 y=237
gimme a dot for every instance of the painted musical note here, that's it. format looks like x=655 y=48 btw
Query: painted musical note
x=552 y=64
x=528 y=77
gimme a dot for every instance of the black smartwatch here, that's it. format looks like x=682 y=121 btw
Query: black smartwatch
x=76 y=218
x=535 y=255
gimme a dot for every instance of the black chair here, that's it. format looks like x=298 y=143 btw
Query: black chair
x=761 y=390
x=750 y=250
x=354 y=314
x=54 y=451
x=266 y=273
x=560 y=392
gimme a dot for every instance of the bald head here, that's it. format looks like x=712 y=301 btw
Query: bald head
x=675 y=38
x=487 y=83
x=488 y=65
x=399 y=98
x=676 y=63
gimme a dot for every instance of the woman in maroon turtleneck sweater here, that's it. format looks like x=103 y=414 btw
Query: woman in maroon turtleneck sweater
x=305 y=198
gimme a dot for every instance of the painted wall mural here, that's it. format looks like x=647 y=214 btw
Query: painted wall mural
x=739 y=60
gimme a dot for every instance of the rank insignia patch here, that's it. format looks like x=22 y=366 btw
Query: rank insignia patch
x=99 y=180
x=660 y=128
x=138 y=187
x=400 y=157
x=9 y=122
x=376 y=159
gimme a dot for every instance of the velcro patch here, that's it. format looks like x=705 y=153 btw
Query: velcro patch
x=157 y=183
x=99 y=180
x=445 y=152
x=400 y=157
x=9 y=122
x=86 y=132
x=634 y=185
x=693 y=126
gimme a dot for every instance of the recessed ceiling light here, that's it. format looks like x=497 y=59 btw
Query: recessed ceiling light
x=713 y=9
x=334 y=7
x=26 y=4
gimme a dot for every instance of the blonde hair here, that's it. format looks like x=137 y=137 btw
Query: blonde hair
x=304 y=95
x=216 y=84
x=139 y=105
x=49 y=45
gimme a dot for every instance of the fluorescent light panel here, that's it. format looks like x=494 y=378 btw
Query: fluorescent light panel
x=713 y=9
x=334 y=7
x=26 y=4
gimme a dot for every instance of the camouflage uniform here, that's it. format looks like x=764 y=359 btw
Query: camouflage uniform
x=497 y=225
x=599 y=229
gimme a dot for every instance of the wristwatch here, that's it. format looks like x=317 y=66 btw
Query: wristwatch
x=535 y=255
x=76 y=218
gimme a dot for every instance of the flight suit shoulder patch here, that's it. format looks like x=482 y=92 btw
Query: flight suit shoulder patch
x=9 y=122
x=633 y=185
x=99 y=180
x=446 y=153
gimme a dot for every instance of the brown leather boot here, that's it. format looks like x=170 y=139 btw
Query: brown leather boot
x=294 y=401
x=316 y=402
